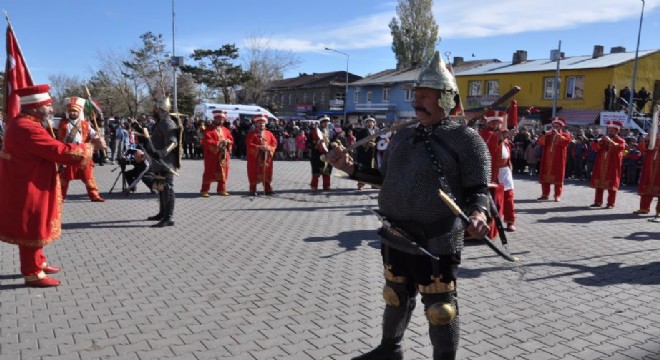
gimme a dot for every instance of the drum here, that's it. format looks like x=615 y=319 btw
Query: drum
x=381 y=145
x=317 y=136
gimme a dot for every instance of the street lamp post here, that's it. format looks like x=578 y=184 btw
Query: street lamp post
x=634 y=75
x=346 y=90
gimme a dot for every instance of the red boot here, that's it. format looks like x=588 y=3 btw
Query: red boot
x=44 y=282
x=51 y=269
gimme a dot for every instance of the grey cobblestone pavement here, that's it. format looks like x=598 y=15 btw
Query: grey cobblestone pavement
x=298 y=276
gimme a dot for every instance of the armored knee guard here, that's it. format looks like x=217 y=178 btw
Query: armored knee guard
x=400 y=300
x=442 y=312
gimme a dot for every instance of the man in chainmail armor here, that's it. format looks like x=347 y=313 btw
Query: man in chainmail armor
x=437 y=154
x=164 y=149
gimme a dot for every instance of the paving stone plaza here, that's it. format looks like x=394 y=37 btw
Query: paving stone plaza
x=298 y=276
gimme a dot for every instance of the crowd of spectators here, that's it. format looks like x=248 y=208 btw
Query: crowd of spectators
x=526 y=153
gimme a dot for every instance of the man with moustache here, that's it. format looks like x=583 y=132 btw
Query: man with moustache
x=31 y=206
x=437 y=154
x=553 y=159
x=76 y=130
x=321 y=142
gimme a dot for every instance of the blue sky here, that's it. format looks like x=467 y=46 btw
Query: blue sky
x=67 y=37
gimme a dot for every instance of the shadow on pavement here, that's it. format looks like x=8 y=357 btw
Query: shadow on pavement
x=601 y=214
x=350 y=240
x=609 y=274
x=105 y=224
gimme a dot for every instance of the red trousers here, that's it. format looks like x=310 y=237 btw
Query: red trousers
x=611 y=197
x=545 y=190
x=645 y=203
x=315 y=182
x=508 y=211
x=206 y=186
x=33 y=261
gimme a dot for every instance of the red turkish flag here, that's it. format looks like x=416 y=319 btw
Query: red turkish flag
x=17 y=75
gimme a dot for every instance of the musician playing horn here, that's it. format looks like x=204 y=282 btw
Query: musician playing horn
x=261 y=145
x=217 y=143
x=606 y=174
x=437 y=154
x=553 y=159
x=321 y=138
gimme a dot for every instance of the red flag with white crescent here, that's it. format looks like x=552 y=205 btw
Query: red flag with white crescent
x=17 y=75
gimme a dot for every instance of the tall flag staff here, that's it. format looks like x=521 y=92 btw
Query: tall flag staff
x=93 y=108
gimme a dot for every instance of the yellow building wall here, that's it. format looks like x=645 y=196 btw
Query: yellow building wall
x=595 y=81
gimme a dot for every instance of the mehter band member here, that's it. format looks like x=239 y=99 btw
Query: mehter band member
x=261 y=145
x=553 y=159
x=76 y=130
x=218 y=143
x=31 y=206
x=606 y=174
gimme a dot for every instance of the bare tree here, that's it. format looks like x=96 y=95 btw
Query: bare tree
x=264 y=64
x=414 y=33
x=64 y=86
x=151 y=64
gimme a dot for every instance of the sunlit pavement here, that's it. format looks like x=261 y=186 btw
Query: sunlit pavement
x=298 y=276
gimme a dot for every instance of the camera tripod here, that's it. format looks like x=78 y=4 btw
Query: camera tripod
x=123 y=179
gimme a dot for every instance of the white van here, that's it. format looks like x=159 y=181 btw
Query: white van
x=204 y=111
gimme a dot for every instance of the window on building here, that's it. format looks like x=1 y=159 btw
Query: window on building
x=474 y=88
x=549 y=87
x=304 y=98
x=386 y=94
x=356 y=96
x=290 y=99
x=369 y=96
x=323 y=99
x=313 y=99
x=409 y=94
x=575 y=87
x=282 y=99
x=492 y=87
x=339 y=96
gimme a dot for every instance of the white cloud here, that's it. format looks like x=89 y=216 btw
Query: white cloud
x=466 y=19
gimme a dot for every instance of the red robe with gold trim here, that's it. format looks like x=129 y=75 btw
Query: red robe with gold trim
x=255 y=157
x=606 y=173
x=553 y=159
x=649 y=184
x=216 y=169
x=30 y=198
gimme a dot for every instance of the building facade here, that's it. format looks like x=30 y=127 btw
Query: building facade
x=309 y=95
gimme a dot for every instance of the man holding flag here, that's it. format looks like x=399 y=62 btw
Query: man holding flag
x=31 y=207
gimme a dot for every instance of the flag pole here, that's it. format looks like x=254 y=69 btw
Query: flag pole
x=18 y=45
x=90 y=105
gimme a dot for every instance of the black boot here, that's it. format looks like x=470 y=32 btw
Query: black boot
x=387 y=350
x=163 y=223
x=158 y=216
x=445 y=356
